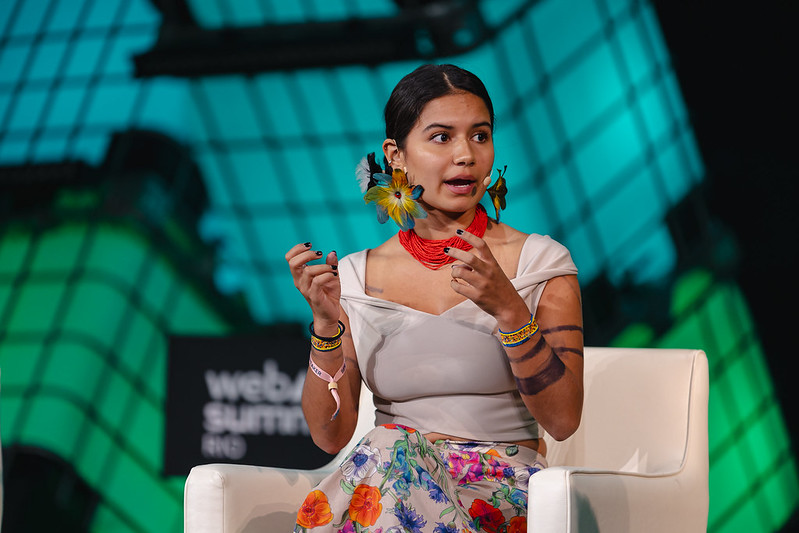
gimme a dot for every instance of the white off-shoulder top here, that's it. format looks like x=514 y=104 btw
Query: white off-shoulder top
x=446 y=373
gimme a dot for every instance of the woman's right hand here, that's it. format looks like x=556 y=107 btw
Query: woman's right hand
x=319 y=284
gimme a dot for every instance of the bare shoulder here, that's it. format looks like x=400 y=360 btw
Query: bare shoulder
x=384 y=253
x=501 y=235
x=380 y=264
x=506 y=245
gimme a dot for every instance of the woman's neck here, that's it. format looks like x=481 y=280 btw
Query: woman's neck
x=442 y=225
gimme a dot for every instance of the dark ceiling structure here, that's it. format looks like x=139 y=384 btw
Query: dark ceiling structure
x=421 y=29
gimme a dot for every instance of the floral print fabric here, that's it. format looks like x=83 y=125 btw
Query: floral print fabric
x=396 y=481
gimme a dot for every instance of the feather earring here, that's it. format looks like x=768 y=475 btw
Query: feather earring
x=390 y=191
x=498 y=191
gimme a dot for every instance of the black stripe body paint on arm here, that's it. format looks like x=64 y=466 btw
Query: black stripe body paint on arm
x=566 y=327
x=535 y=350
x=552 y=372
x=564 y=349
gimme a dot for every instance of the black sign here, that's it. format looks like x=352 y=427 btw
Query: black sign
x=237 y=400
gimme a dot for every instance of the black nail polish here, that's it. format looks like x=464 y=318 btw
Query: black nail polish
x=334 y=267
x=446 y=250
x=318 y=252
x=459 y=231
x=307 y=244
x=335 y=273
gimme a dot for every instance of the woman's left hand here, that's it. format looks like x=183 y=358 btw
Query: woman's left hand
x=478 y=277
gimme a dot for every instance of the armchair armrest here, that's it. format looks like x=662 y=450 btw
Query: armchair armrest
x=229 y=497
x=592 y=500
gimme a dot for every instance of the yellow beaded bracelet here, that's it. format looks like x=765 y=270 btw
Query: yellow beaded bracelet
x=326 y=344
x=520 y=336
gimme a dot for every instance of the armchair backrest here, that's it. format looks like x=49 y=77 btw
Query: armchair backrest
x=645 y=411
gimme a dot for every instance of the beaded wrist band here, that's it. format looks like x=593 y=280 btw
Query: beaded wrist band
x=520 y=336
x=326 y=344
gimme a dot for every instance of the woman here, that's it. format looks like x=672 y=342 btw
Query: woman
x=467 y=331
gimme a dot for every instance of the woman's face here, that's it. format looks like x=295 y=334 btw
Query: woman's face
x=450 y=151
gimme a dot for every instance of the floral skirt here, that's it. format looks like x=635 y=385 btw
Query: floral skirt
x=396 y=481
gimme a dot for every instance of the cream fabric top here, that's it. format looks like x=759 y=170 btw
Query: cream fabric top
x=446 y=373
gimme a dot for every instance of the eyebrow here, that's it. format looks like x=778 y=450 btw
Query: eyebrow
x=436 y=125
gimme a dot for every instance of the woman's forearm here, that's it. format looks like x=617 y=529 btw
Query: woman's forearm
x=331 y=433
x=548 y=385
x=547 y=358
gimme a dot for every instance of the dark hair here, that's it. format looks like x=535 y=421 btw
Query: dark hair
x=424 y=84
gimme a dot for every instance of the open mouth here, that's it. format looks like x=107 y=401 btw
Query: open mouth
x=460 y=185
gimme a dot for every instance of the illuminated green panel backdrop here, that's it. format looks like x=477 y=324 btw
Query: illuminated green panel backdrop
x=600 y=155
x=83 y=354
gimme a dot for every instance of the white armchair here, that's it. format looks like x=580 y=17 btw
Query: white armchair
x=638 y=463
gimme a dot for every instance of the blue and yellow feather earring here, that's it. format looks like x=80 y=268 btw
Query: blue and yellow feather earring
x=497 y=191
x=391 y=193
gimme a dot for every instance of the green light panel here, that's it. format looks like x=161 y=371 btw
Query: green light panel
x=754 y=485
x=83 y=356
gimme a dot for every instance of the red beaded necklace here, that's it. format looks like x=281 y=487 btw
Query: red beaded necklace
x=430 y=252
